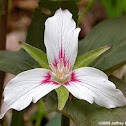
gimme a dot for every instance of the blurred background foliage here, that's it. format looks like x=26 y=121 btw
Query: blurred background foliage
x=26 y=22
x=114 y=8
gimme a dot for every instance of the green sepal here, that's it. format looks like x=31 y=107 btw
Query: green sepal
x=63 y=95
x=87 y=58
x=36 y=53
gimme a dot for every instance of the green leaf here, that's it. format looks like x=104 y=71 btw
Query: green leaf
x=37 y=54
x=16 y=62
x=17 y=118
x=40 y=113
x=87 y=58
x=86 y=114
x=112 y=32
x=114 y=8
x=65 y=121
x=63 y=95
x=110 y=70
x=55 y=121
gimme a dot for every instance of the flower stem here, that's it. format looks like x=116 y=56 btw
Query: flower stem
x=65 y=121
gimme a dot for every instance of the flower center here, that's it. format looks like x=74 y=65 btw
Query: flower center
x=61 y=72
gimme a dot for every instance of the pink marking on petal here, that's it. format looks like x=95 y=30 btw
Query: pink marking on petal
x=72 y=79
x=55 y=63
x=47 y=80
x=62 y=55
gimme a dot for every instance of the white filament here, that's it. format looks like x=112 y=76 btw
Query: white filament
x=61 y=73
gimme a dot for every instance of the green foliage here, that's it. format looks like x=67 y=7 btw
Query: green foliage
x=63 y=95
x=38 y=116
x=37 y=54
x=55 y=121
x=87 y=58
x=116 y=67
x=114 y=8
x=17 y=119
x=65 y=121
x=112 y=32
x=86 y=114
x=40 y=113
x=16 y=62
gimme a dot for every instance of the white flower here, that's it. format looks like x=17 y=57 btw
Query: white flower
x=87 y=83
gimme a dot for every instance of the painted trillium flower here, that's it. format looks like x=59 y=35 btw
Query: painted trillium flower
x=87 y=83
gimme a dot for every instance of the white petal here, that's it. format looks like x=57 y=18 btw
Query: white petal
x=93 y=85
x=26 y=87
x=61 y=37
